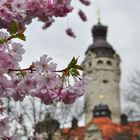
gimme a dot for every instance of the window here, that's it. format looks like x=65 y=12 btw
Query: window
x=103 y=112
x=99 y=62
x=97 y=114
x=109 y=63
x=89 y=64
x=105 y=81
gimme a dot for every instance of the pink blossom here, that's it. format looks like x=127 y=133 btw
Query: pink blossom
x=15 y=81
x=69 y=95
x=14 y=93
x=49 y=81
x=6 y=62
x=13 y=90
x=20 y=87
x=44 y=65
x=6 y=14
x=16 y=51
x=4 y=83
x=45 y=96
x=19 y=7
x=82 y=15
x=48 y=23
x=85 y=2
x=27 y=83
x=3 y=46
x=62 y=10
x=80 y=86
x=3 y=35
x=70 y=33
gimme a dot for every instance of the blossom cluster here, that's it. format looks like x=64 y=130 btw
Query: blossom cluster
x=41 y=79
x=24 y=11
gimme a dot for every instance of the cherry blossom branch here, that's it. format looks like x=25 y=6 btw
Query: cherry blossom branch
x=19 y=35
x=42 y=81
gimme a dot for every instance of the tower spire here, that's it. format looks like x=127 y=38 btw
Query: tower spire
x=98 y=16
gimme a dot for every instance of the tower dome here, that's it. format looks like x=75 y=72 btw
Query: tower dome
x=99 y=31
x=100 y=46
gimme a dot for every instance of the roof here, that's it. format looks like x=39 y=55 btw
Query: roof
x=100 y=45
x=109 y=130
x=74 y=132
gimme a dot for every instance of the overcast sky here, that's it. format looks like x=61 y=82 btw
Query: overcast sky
x=123 y=21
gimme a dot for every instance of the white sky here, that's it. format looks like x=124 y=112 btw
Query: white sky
x=123 y=21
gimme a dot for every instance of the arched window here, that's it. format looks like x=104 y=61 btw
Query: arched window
x=109 y=63
x=99 y=62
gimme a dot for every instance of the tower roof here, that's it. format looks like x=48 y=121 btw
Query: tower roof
x=100 y=44
x=99 y=31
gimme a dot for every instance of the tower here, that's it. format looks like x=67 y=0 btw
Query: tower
x=102 y=64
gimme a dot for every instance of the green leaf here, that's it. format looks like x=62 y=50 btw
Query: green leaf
x=72 y=63
x=14 y=27
x=20 y=36
x=21 y=74
x=79 y=67
x=2 y=41
x=74 y=72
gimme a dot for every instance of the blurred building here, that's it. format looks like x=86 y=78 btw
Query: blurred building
x=102 y=64
x=103 y=118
